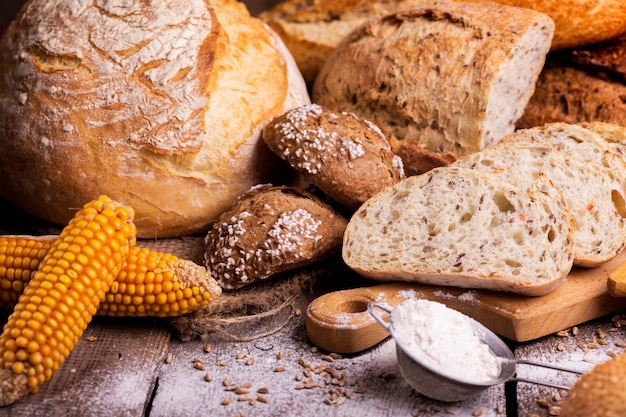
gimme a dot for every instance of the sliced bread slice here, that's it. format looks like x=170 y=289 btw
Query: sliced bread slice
x=600 y=229
x=465 y=228
x=588 y=146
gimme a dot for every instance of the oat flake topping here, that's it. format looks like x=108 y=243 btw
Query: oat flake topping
x=236 y=259
x=304 y=147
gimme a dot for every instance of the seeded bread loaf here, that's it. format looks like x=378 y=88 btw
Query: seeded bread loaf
x=311 y=29
x=271 y=230
x=454 y=77
x=590 y=190
x=465 y=228
x=599 y=392
x=157 y=104
x=347 y=157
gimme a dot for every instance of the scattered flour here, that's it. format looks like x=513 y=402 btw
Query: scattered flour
x=443 y=339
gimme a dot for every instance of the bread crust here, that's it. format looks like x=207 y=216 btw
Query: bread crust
x=578 y=22
x=599 y=392
x=158 y=106
x=569 y=93
x=269 y=231
x=347 y=157
x=454 y=77
x=311 y=29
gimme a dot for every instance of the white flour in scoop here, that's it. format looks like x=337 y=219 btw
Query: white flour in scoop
x=444 y=340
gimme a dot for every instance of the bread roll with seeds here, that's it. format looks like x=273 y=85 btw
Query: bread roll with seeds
x=271 y=230
x=599 y=392
x=347 y=157
x=589 y=189
x=464 y=228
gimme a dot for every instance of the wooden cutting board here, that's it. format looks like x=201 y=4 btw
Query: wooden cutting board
x=339 y=321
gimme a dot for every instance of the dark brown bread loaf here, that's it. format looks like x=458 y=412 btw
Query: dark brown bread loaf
x=347 y=157
x=580 y=85
x=271 y=230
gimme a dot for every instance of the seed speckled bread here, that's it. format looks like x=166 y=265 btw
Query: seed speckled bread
x=588 y=188
x=599 y=392
x=311 y=29
x=465 y=228
x=454 y=77
x=158 y=104
x=589 y=141
x=345 y=156
x=271 y=230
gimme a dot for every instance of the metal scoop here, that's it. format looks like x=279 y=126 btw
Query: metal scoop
x=432 y=383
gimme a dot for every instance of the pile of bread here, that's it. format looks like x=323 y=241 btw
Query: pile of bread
x=475 y=144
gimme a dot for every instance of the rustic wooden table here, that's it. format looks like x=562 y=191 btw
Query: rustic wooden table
x=138 y=367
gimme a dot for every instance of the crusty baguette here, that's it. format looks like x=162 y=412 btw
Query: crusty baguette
x=465 y=228
x=454 y=77
x=590 y=190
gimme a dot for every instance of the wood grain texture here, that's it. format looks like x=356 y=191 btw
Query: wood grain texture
x=112 y=371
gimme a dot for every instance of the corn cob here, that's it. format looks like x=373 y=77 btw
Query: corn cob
x=150 y=283
x=62 y=296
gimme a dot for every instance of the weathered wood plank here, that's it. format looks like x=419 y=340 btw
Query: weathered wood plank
x=581 y=349
x=183 y=389
x=112 y=371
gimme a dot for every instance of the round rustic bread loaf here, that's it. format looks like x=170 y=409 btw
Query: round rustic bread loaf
x=347 y=157
x=158 y=104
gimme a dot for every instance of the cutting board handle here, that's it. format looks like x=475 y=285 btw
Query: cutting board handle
x=340 y=322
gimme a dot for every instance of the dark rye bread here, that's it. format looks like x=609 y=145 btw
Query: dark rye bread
x=580 y=85
x=271 y=230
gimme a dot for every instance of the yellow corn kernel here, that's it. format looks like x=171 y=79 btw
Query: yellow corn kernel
x=149 y=283
x=22 y=365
